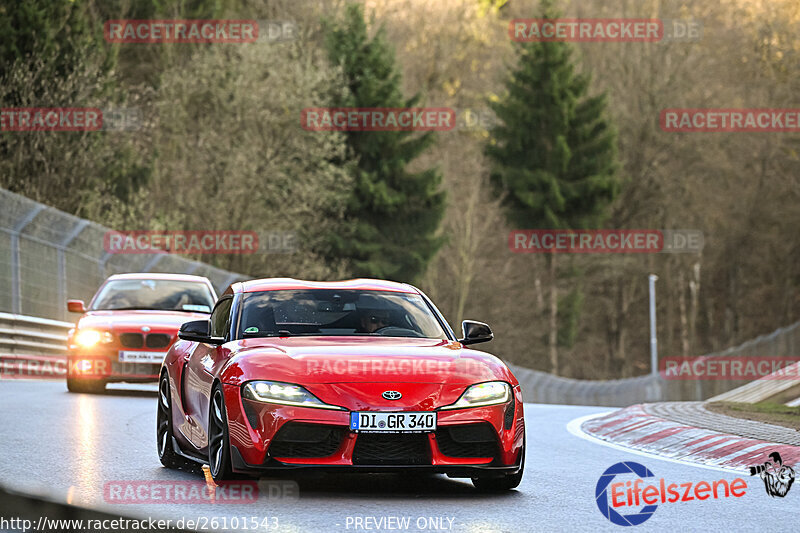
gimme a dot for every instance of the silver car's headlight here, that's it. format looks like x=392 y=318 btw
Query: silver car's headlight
x=482 y=394
x=285 y=394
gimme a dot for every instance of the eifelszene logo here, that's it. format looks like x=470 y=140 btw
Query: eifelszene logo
x=640 y=492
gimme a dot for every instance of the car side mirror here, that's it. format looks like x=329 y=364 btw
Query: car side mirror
x=198 y=331
x=475 y=332
x=76 y=306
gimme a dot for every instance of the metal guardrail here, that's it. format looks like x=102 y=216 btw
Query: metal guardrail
x=32 y=347
x=28 y=335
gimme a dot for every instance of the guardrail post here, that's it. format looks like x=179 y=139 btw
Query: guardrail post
x=62 y=263
x=16 y=268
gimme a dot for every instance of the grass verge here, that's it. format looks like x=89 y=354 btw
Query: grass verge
x=767 y=412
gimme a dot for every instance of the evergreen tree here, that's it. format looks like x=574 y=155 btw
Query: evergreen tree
x=553 y=152
x=392 y=216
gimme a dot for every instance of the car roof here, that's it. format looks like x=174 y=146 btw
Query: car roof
x=363 y=284
x=159 y=275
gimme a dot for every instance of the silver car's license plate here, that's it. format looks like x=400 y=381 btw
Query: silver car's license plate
x=406 y=422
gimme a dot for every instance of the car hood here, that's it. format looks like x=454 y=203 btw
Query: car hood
x=360 y=360
x=126 y=320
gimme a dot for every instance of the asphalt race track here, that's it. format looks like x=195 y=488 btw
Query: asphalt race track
x=73 y=445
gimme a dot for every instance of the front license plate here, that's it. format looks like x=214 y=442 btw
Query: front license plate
x=141 y=357
x=392 y=422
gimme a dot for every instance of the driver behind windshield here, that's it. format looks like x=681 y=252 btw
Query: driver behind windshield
x=371 y=320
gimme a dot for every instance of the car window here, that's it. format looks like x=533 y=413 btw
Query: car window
x=221 y=318
x=160 y=295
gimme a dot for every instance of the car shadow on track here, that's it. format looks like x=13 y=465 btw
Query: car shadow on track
x=130 y=392
x=387 y=486
x=118 y=390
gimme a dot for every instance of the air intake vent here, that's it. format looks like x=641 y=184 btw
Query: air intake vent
x=467 y=440
x=391 y=449
x=158 y=340
x=306 y=440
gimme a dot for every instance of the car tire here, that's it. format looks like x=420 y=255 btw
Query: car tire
x=219 y=447
x=164 y=434
x=85 y=386
x=507 y=482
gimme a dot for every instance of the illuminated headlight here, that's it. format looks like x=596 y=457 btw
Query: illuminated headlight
x=489 y=393
x=90 y=337
x=284 y=394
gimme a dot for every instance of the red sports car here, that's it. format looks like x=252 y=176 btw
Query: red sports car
x=131 y=323
x=360 y=375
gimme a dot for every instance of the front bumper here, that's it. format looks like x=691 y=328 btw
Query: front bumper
x=483 y=441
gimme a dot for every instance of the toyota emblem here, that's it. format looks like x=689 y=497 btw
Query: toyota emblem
x=392 y=395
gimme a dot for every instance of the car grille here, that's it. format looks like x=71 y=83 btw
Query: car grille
x=391 y=449
x=138 y=340
x=157 y=340
x=306 y=440
x=131 y=340
x=467 y=440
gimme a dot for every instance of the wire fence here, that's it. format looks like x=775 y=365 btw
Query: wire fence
x=47 y=256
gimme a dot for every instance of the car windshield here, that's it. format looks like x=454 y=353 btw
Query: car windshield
x=329 y=312
x=162 y=295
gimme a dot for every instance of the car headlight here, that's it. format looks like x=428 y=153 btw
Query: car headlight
x=285 y=394
x=90 y=337
x=489 y=393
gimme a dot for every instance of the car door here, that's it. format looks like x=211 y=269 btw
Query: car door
x=198 y=374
